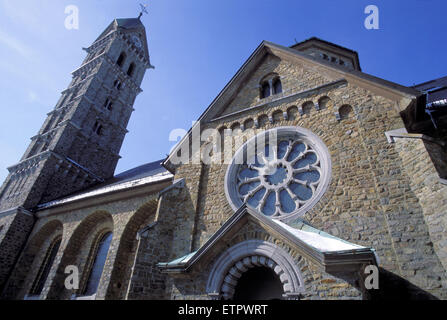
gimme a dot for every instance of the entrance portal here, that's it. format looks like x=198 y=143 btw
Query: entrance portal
x=259 y=283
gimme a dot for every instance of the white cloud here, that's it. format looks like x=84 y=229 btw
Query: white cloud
x=15 y=45
x=29 y=16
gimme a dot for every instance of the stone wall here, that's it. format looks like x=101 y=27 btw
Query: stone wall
x=369 y=201
x=15 y=227
x=168 y=239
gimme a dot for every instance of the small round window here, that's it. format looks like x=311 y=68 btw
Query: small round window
x=281 y=173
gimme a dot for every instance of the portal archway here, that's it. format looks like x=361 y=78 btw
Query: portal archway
x=230 y=267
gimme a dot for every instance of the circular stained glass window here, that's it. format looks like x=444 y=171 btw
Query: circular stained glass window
x=281 y=173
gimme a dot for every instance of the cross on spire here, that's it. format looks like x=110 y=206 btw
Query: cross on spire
x=143 y=10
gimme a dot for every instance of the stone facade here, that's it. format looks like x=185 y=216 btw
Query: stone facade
x=175 y=233
x=374 y=198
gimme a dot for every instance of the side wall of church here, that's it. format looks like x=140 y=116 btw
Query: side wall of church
x=79 y=229
x=432 y=195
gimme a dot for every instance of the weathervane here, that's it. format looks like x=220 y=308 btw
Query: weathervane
x=143 y=10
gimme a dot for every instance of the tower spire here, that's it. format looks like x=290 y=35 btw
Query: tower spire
x=143 y=10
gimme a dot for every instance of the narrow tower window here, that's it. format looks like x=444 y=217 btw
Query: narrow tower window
x=45 y=268
x=131 y=69
x=121 y=59
x=117 y=84
x=108 y=104
x=97 y=128
x=100 y=256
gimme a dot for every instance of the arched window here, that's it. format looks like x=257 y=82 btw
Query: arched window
x=100 y=256
x=121 y=59
x=277 y=86
x=45 y=267
x=265 y=90
x=131 y=69
x=345 y=111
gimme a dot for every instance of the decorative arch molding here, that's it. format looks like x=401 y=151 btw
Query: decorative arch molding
x=77 y=250
x=268 y=76
x=230 y=266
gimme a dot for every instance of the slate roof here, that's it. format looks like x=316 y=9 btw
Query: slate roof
x=145 y=174
x=129 y=23
x=324 y=41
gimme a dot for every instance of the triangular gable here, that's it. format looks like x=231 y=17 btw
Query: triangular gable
x=331 y=253
x=403 y=96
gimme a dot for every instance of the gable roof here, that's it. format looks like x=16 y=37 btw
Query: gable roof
x=399 y=92
x=323 y=41
x=330 y=252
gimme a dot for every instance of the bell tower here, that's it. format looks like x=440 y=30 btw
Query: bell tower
x=79 y=142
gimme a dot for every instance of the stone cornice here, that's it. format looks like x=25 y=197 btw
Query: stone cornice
x=402 y=133
x=29 y=162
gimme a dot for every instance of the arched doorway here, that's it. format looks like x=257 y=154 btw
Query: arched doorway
x=235 y=263
x=259 y=283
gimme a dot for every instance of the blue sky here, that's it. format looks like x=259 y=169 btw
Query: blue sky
x=196 y=47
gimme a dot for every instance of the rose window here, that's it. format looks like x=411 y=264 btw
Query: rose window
x=281 y=172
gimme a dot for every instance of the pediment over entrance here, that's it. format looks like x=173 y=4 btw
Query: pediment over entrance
x=284 y=250
x=331 y=253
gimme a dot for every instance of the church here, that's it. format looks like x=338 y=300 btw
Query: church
x=304 y=179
